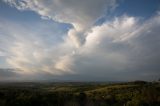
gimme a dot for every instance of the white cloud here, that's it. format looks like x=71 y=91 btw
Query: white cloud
x=31 y=47
x=64 y=63
x=81 y=14
x=119 y=30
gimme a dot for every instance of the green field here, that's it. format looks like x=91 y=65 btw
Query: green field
x=80 y=94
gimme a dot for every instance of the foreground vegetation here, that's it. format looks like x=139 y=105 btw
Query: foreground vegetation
x=137 y=93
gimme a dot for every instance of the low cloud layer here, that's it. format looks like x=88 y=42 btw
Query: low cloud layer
x=120 y=49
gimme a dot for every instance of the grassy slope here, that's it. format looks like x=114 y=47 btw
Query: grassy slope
x=90 y=94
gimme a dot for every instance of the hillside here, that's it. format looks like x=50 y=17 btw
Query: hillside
x=80 y=94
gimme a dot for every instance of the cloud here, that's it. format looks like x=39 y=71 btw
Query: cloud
x=2 y=53
x=81 y=14
x=6 y=74
x=123 y=48
x=117 y=48
x=31 y=47
x=64 y=63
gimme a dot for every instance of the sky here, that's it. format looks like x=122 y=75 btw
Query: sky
x=79 y=40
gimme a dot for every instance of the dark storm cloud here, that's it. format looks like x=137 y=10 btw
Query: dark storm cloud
x=7 y=73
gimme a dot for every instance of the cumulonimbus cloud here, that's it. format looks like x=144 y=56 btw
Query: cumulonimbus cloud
x=117 y=48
